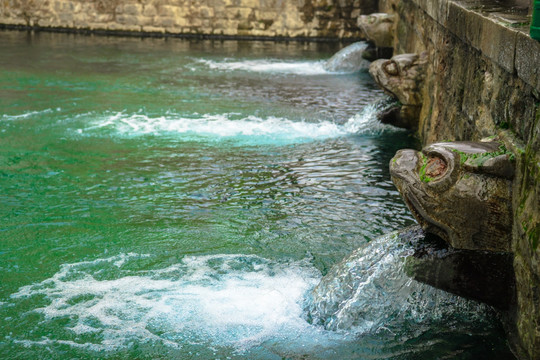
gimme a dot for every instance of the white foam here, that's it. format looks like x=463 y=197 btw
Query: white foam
x=28 y=114
x=224 y=300
x=367 y=123
x=226 y=126
x=273 y=66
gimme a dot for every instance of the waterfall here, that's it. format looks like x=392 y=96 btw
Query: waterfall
x=369 y=291
x=348 y=59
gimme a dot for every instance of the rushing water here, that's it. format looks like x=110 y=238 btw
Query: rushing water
x=181 y=199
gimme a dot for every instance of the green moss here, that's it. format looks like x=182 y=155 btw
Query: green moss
x=518 y=24
x=480 y=158
x=422 y=172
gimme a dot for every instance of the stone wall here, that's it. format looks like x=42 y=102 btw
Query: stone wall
x=260 y=18
x=483 y=79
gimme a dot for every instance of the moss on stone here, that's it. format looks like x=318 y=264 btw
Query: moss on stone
x=479 y=159
x=422 y=173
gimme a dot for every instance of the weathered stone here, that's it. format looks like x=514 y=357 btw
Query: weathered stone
x=312 y=18
x=402 y=76
x=149 y=10
x=460 y=191
x=128 y=20
x=133 y=9
x=528 y=60
x=484 y=276
x=498 y=43
x=378 y=28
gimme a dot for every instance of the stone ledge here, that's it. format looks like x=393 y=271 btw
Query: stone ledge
x=500 y=34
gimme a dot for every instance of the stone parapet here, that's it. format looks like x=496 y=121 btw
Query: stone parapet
x=500 y=34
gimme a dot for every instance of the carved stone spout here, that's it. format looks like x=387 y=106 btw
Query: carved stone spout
x=460 y=191
x=402 y=76
x=484 y=276
x=379 y=28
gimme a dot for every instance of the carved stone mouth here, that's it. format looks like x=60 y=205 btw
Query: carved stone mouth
x=417 y=215
x=427 y=223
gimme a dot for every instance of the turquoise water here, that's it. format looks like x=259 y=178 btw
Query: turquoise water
x=166 y=198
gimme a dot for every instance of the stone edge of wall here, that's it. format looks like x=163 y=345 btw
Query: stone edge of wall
x=510 y=48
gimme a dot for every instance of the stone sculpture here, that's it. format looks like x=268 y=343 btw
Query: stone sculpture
x=402 y=76
x=484 y=276
x=460 y=191
x=378 y=28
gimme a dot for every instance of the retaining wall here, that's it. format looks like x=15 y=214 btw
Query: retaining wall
x=259 y=18
x=483 y=80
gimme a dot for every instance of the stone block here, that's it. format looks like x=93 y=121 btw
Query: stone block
x=475 y=23
x=430 y=7
x=66 y=18
x=267 y=15
x=166 y=10
x=103 y=18
x=465 y=24
x=88 y=8
x=494 y=40
x=57 y=5
x=219 y=24
x=42 y=22
x=165 y=21
x=145 y=20
x=252 y=4
x=442 y=12
x=231 y=29
x=133 y=9
x=236 y=13
x=498 y=43
x=195 y=22
x=527 y=62
x=150 y=10
x=457 y=22
x=114 y=26
x=206 y=12
x=119 y=9
x=130 y=20
x=153 y=29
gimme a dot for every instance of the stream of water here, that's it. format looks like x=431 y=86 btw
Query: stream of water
x=177 y=199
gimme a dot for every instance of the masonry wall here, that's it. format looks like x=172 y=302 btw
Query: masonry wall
x=260 y=18
x=484 y=80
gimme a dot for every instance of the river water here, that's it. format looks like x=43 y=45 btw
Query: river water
x=177 y=199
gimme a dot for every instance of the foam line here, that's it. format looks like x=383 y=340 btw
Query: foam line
x=232 y=126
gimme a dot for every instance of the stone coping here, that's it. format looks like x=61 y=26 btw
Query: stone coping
x=500 y=33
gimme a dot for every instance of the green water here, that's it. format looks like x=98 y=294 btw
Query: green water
x=166 y=198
